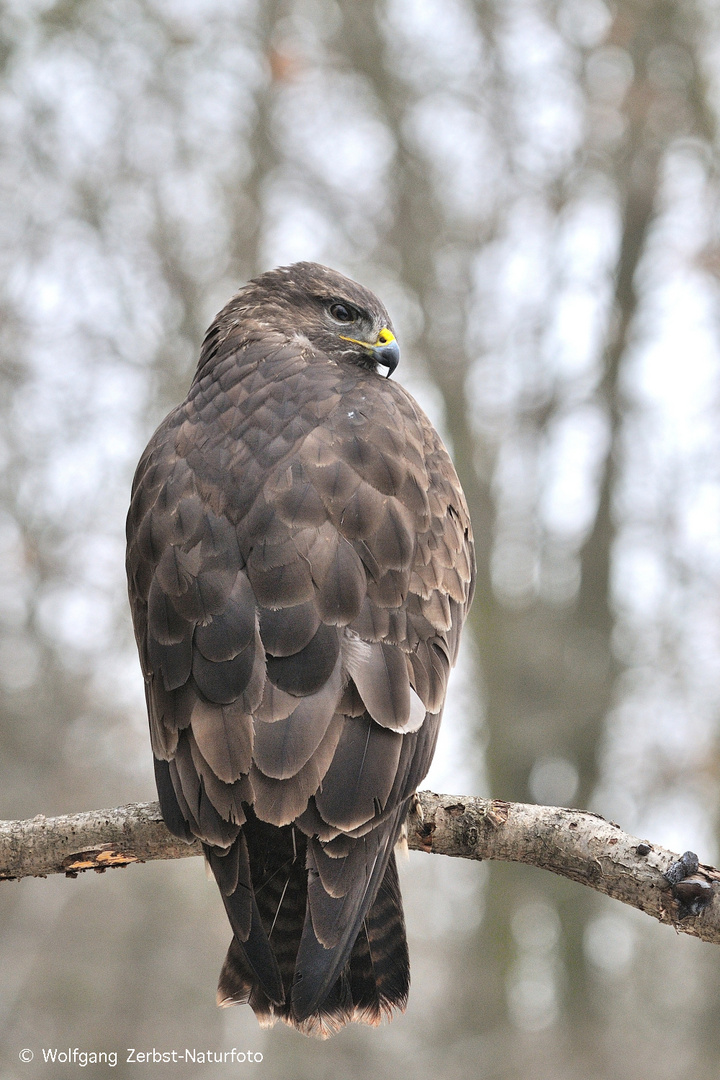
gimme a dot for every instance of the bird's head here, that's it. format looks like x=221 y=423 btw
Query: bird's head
x=337 y=316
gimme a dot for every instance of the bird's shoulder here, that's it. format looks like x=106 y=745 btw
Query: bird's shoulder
x=295 y=445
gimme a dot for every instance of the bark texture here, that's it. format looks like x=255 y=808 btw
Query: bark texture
x=572 y=843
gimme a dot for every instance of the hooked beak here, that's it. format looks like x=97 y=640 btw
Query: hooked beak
x=385 y=351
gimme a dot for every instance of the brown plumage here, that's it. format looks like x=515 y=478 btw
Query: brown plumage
x=300 y=564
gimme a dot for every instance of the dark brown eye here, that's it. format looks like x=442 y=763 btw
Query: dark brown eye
x=343 y=313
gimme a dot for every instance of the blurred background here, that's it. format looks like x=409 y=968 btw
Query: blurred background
x=532 y=188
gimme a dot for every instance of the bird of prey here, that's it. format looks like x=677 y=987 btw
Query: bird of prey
x=300 y=563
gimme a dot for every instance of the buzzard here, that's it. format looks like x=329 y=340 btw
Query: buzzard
x=300 y=563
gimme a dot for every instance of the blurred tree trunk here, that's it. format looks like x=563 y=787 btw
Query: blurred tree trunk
x=550 y=672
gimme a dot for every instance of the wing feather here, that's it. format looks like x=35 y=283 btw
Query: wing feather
x=231 y=630
x=280 y=802
x=307 y=671
x=283 y=747
x=361 y=775
x=224 y=737
x=287 y=630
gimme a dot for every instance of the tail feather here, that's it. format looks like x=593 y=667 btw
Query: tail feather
x=363 y=985
x=385 y=928
x=233 y=875
x=317 y=966
x=251 y=973
x=362 y=979
x=379 y=968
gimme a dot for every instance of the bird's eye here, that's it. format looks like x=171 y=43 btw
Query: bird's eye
x=343 y=313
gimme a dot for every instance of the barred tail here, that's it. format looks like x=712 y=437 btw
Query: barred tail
x=372 y=983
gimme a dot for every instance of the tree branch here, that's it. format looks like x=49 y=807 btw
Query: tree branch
x=573 y=843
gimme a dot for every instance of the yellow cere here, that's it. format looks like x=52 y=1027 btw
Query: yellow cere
x=384 y=338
